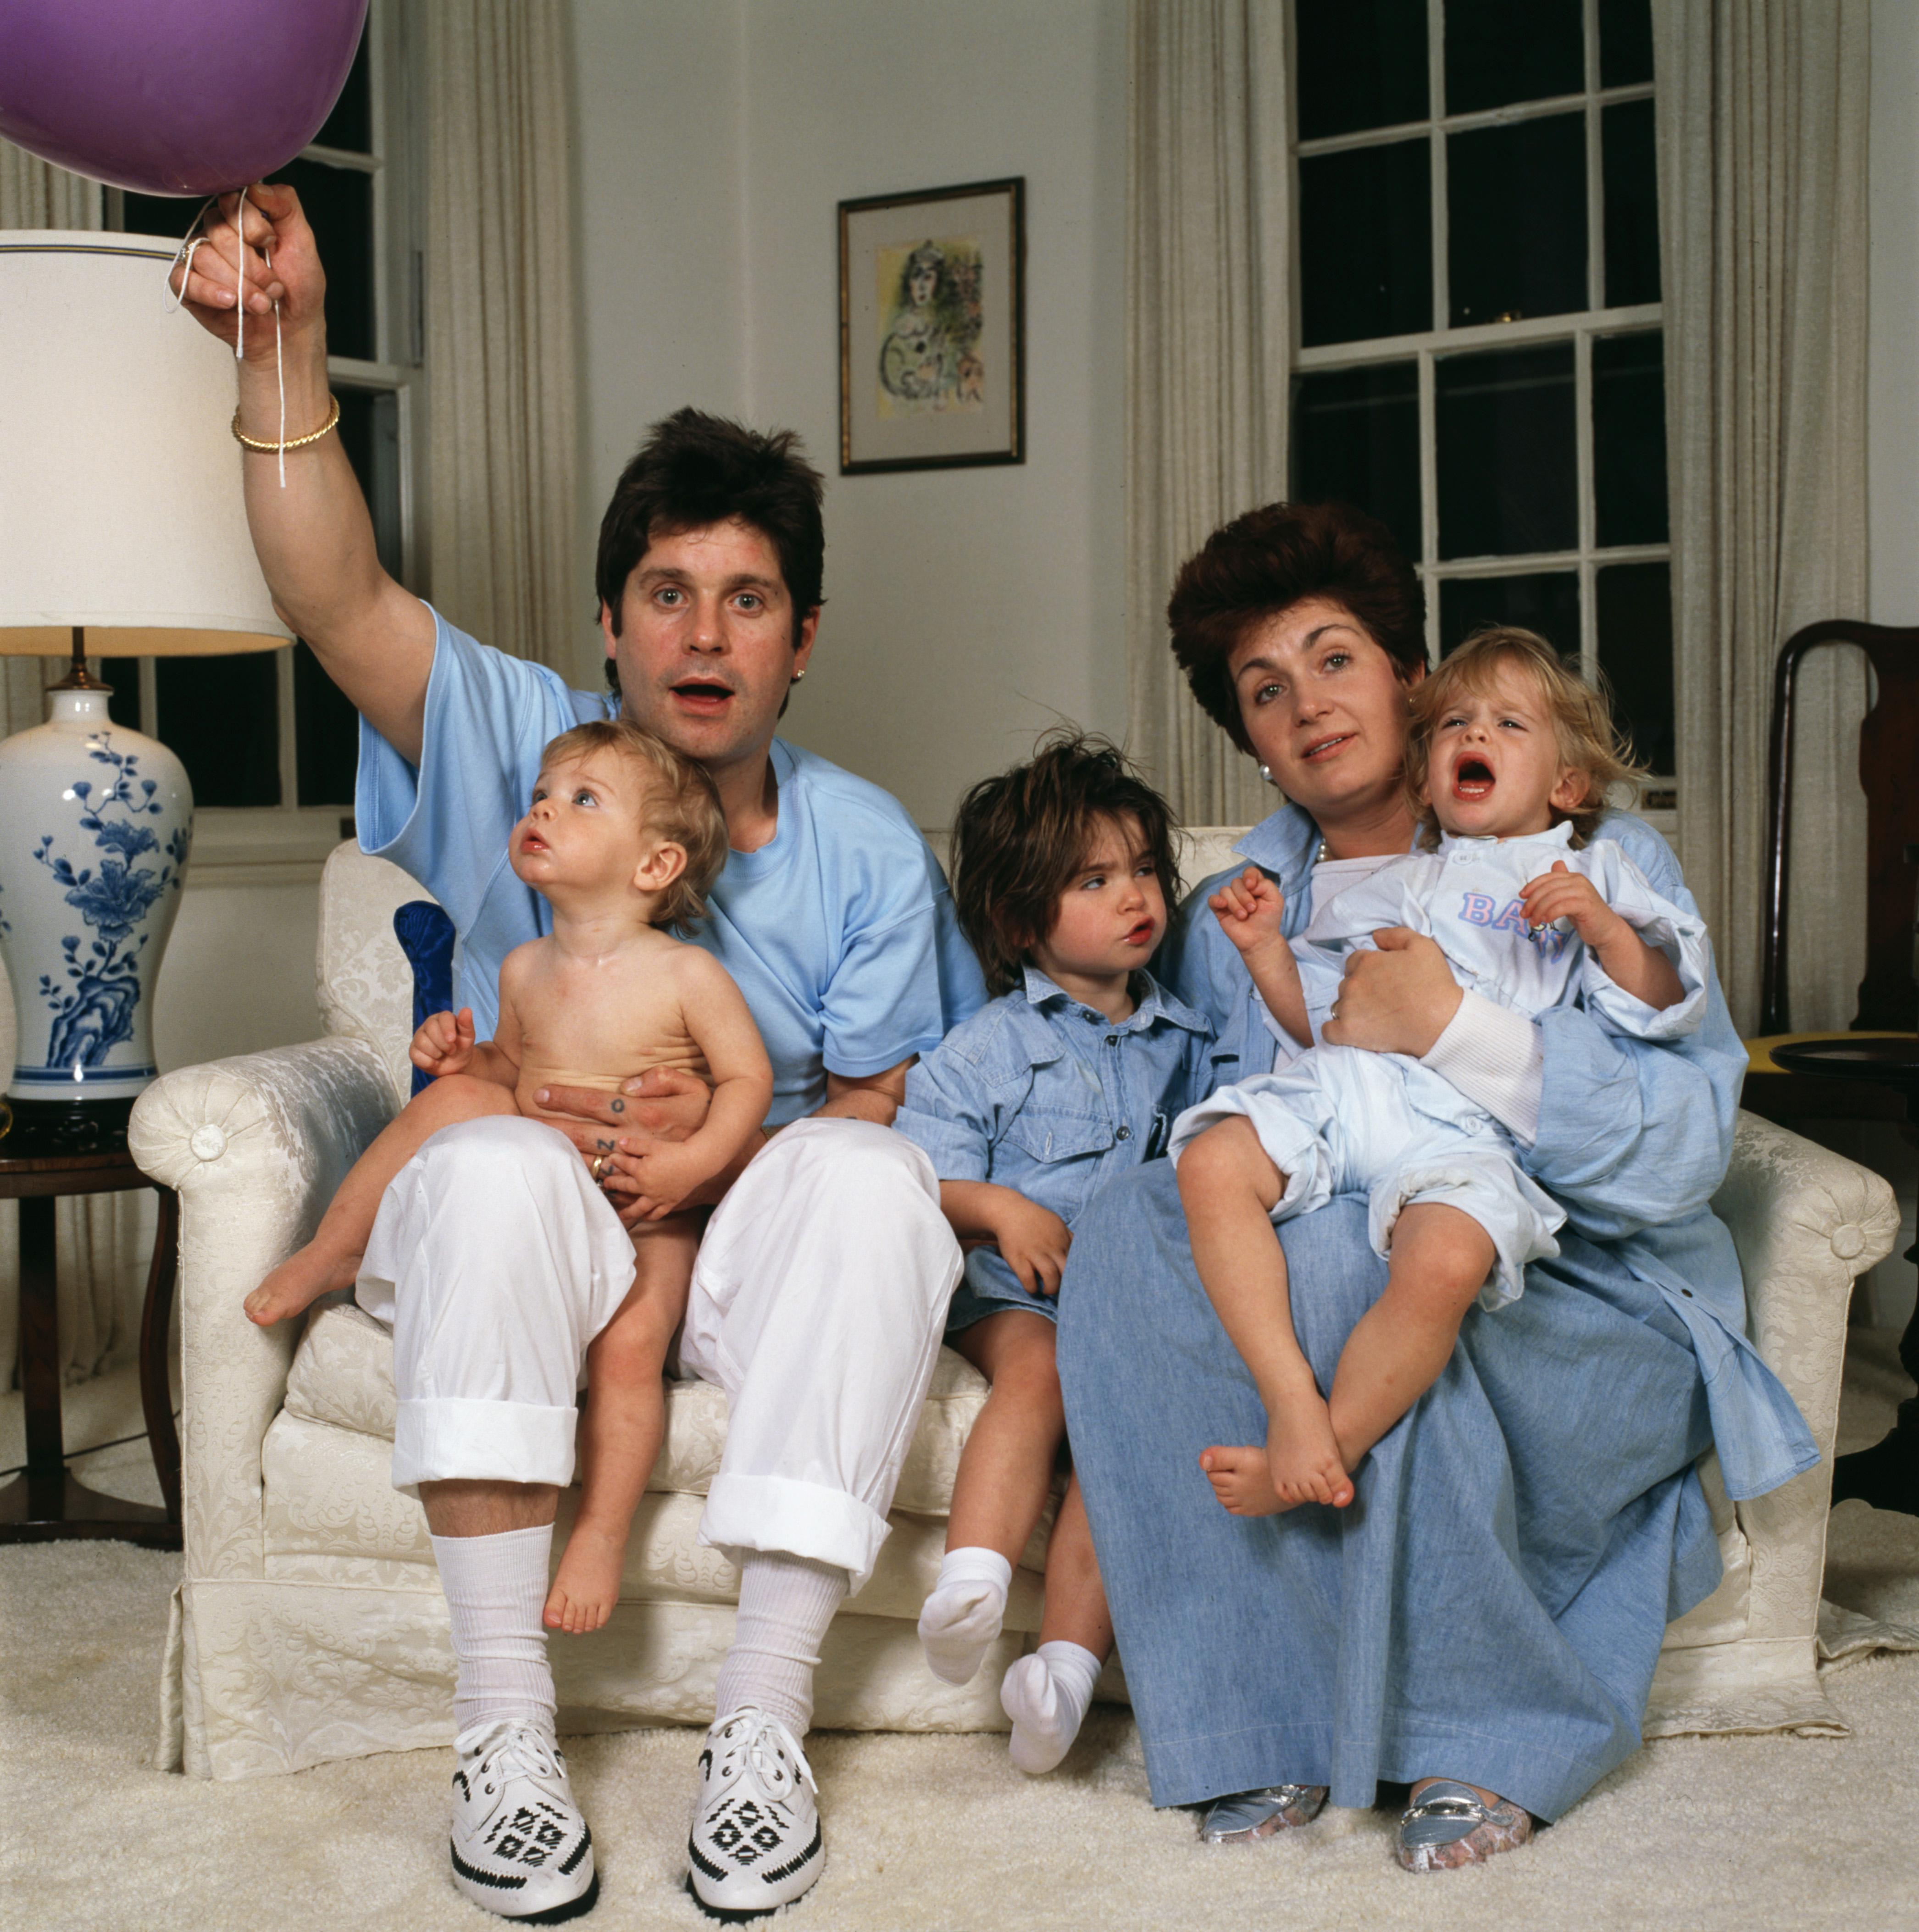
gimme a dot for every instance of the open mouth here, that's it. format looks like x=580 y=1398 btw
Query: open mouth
x=1472 y=779
x=1324 y=748
x=1140 y=935
x=702 y=694
x=533 y=842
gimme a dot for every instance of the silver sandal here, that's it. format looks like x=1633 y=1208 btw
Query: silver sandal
x=1450 y=1826
x=1243 y=1816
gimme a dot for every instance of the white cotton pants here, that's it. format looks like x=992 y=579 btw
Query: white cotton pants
x=1340 y=1120
x=818 y=1303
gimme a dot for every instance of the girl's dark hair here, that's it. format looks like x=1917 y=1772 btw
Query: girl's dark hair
x=694 y=469
x=1268 y=560
x=1020 y=839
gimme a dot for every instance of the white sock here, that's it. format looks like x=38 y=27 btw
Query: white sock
x=962 y=1616
x=496 y=1588
x=785 y=1604
x=1046 y=1696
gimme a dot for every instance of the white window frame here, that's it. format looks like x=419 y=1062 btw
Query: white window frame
x=283 y=844
x=1427 y=346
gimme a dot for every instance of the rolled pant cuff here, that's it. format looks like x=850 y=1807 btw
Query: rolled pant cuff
x=450 y=1438
x=781 y=1516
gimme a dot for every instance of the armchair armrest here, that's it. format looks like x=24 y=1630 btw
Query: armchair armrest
x=255 y=1147
x=1806 y=1222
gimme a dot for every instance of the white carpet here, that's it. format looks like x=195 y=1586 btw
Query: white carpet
x=1697 y=1834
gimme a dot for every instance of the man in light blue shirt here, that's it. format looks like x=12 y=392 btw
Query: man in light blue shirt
x=823 y=1277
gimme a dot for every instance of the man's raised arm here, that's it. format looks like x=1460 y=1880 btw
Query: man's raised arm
x=315 y=540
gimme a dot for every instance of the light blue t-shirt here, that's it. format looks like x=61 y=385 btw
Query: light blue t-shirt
x=839 y=930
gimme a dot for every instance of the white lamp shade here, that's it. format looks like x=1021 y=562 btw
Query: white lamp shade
x=120 y=506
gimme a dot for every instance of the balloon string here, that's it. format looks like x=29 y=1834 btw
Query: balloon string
x=188 y=243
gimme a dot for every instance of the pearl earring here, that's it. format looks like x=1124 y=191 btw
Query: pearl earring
x=1266 y=772
x=798 y=674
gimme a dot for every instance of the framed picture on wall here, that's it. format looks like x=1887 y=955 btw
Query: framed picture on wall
x=932 y=328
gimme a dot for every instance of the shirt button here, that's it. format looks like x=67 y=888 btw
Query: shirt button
x=1687 y=1292
x=1092 y=1019
x=1124 y=1134
x=1112 y=1039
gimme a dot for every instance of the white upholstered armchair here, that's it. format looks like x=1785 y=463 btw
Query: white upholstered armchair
x=310 y=1623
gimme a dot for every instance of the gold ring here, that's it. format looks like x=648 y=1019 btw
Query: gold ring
x=598 y=1168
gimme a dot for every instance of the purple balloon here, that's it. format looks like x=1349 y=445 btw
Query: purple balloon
x=172 y=97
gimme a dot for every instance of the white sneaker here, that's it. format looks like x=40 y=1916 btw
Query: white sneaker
x=520 y=1846
x=755 y=1842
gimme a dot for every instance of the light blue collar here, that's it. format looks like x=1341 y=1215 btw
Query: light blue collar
x=1154 y=1004
x=1559 y=836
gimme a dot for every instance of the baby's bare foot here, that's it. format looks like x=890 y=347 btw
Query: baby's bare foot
x=298 y=1281
x=587 y=1586
x=1241 y=1480
x=1302 y=1454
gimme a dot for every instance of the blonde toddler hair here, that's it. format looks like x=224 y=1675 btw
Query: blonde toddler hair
x=1590 y=742
x=679 y=803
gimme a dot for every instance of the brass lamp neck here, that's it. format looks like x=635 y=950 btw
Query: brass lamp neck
x=78 y=677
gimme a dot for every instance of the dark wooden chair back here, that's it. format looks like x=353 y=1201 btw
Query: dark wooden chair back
x=1888 y=767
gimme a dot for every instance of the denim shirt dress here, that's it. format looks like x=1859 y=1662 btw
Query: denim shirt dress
x=1039 y=1094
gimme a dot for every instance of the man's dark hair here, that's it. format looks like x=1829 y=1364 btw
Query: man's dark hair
x=694 y=469
x=1021 y=838
x=1265 y=561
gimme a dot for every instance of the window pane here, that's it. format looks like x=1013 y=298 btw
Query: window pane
x=1547 y=601
x=221 y=716
x=1505 y=422
x=1356 y=440
x=1625 y=42
x=1631 y=186
x=164 y=214
x=350 y=125
x=1360 y=63
x=1516 y=219
x=1366 y=243
x=339 y=202
x=1629 y=439
x=1498 y=51
x=1635 y=613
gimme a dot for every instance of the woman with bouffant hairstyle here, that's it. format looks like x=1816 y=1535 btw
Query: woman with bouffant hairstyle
x=1481 y=1620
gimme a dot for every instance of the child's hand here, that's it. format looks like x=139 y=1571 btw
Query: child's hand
x=1249 y=910
x=663 y=1176
x=1564 y=894
x=1033 y=1242
x=444 y=1044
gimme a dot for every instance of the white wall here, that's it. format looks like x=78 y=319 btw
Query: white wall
x=967 y=609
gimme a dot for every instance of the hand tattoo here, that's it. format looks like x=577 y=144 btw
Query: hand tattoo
x=618 y=1105
x=605 y=1147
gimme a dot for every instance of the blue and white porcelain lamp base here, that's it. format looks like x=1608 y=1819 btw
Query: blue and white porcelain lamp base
x=95 y=822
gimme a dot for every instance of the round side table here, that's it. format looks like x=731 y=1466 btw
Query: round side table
x=46 y=1503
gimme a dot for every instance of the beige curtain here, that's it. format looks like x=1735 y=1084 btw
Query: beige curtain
x=102 y=1240
x=1762 y=142
x=500 y=325
x=1209 y=329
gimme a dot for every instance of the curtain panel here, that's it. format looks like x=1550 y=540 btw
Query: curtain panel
x=1761 y=115
x=102 y=1240
x=500 y=326
x=1209 y=328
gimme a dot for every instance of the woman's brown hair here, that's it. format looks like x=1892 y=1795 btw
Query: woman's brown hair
x=1590 y=742
x=677 y=801
x=1268 y=560
x=1021 y=838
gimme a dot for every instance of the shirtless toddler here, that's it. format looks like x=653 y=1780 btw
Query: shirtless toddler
x=623 y=838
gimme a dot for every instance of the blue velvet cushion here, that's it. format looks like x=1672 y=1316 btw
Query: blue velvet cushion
x=425 y=934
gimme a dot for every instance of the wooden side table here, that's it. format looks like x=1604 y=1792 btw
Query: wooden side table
x=47 y=1504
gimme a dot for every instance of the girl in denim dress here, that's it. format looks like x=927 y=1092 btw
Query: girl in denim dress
x=1062 y=869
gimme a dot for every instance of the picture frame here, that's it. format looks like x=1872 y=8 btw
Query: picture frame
x=933 y=329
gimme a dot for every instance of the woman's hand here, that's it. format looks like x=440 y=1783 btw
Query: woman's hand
x=1398 y=999
x=443 y=1044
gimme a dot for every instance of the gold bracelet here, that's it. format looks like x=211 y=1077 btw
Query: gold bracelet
x=296 y=442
